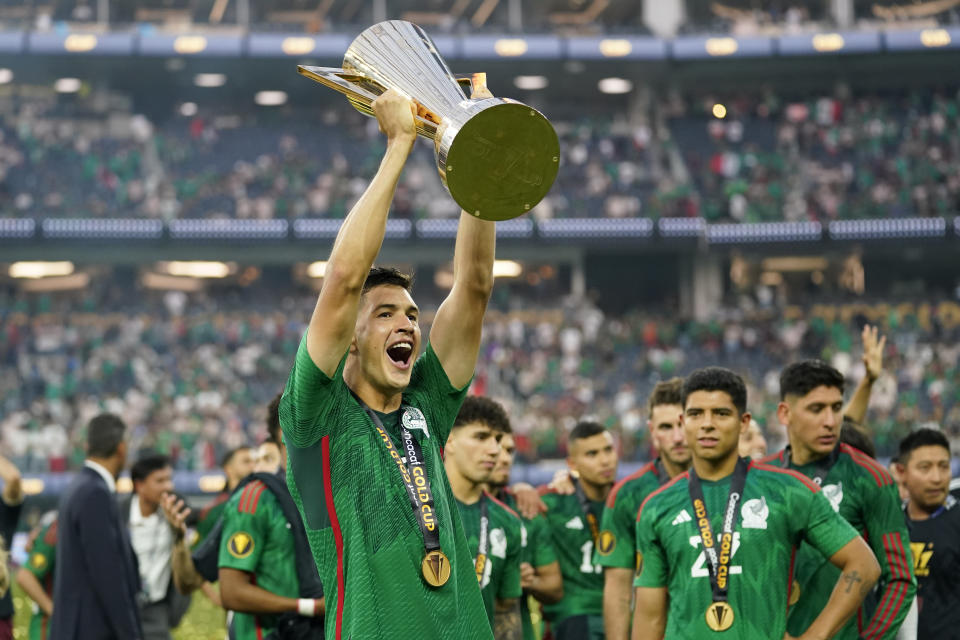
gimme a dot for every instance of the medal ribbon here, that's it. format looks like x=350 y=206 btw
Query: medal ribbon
x=414 y=475
x=718 y=564
x=481 y=561
x=824 y=464
x=585 y=506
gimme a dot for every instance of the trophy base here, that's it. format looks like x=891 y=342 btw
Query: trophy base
x=502 y=161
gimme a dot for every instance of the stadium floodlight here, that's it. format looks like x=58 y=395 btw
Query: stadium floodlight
x=210 y=80
x=317 y=269
x=270 y=98
x=719 y=111
x=506 y=269
x=39 y=269
x=188 y=109
x=615 y=85
x=530 y=83
x=198 y=269
x=6 y=76
x=67 y=85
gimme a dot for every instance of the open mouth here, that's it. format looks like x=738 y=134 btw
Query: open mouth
x=400 y=354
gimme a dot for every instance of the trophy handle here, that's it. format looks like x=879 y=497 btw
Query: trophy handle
x=362 y=91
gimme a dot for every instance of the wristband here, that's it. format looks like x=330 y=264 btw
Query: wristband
x=307 y=607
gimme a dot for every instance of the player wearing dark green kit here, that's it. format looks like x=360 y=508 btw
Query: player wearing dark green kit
x=858 y=488
x=493 y=530
x=365 y=420
x=720 y=538
x=36 y=576
x=539 y=570
x=574 y=522
x=237 y=464
x=616 y=552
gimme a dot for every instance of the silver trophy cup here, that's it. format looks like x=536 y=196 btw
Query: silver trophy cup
x=497 y=157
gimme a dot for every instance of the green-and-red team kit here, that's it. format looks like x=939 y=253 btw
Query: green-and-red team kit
x=777 y=511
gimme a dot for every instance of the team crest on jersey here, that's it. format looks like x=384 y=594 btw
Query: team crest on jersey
x=606 y=543
x=413 y=419
x=755 y=513
x=575 y=523
x=39 y=561
x=498 y=544
x=240 y=545
x=834 y=493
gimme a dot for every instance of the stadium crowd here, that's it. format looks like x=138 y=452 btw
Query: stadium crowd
x=191 y=377
x=769 y=158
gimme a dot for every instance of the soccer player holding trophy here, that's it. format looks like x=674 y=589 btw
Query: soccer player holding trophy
x=363 y=417
x=720 y=538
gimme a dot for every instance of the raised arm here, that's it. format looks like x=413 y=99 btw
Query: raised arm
x=185 y=576
x=358 y=241
x=856 y=409
x=455 y=335
x=858 y=573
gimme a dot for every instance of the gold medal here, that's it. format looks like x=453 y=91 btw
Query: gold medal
x=719 y=616
x=435 y=568
x=794 y=593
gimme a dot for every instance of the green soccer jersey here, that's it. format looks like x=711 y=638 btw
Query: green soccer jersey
x=861 y=491
x=505 y=548
x=363 y=533
x=779 y=509
x=573 y=541
x=257 y=539
x=539 y=552
x=209 y=516
x=41 y=556
x=618 y=526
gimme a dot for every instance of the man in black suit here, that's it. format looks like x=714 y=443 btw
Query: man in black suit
x=97 y=582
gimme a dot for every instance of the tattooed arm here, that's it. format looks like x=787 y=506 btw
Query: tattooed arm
x=506 y=620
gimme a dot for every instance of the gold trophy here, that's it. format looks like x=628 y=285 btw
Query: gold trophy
x=497 y=157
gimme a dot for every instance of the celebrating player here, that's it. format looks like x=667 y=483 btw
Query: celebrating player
x=933 y=519
x=719 y=538
x=36 y=576
x=539 y=571
x=858 y=488
x=616 y=551
x=492 y=528
x=364 y=421
x=574 y=522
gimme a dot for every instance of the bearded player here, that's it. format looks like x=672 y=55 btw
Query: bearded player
x=616 y=551
x=720 y=537
x=364 y=420
x=858 y=488
x=539 y=571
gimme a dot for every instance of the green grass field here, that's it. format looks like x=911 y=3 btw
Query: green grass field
x=202 y=622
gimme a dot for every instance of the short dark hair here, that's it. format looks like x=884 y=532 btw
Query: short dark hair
x=228 y=456
x=146 y=465
x=921 y=438
x=800 y=378
x=485 y=411
x=852 y=434
x=717 y=379
x=666 y=392
x=104 y=435
x=273 y=420
x=585 y=429
x=380 y=276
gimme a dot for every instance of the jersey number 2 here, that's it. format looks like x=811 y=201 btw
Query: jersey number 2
x=700 y=570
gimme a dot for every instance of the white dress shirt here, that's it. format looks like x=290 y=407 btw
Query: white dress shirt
x=153 y=540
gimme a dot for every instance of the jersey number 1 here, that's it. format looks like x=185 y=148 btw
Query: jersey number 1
x=587 y=565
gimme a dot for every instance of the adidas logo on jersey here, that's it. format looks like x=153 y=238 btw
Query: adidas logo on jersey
x=682 y=517
x=575 y=523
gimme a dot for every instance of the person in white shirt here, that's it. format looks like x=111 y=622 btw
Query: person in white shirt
x=161 y=607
